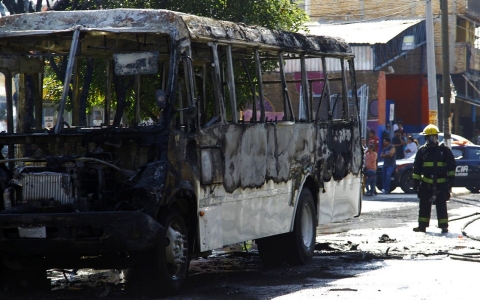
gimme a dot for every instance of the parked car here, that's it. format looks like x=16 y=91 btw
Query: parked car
x=467 y=173
x=455 y=138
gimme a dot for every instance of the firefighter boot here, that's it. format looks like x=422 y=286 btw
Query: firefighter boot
x=444 y=230
x=420 y=229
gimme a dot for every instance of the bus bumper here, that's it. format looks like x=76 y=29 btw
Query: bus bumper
x=77 y=233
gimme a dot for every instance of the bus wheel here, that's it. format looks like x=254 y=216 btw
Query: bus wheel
x=304 y=230
x=174 y=271
x=273 y=249
x=163 y=270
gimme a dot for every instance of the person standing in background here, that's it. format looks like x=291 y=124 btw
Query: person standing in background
x=389 y=164
x=387 y=131
x=373 y=139
x=364 y=178
x=399 y=126
x=398 y=143
x=371 y=158
x=411 y=147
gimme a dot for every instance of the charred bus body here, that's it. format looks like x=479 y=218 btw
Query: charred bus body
x=151 y=197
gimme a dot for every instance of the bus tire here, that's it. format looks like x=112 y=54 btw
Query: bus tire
x=273 y=249
x=304 y=230
x=163 y=270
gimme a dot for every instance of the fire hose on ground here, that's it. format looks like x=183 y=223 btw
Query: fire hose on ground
x=474 y=256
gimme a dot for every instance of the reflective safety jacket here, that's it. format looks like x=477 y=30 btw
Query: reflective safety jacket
x=424 y=169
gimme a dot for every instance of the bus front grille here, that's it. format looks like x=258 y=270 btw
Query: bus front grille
x=46 y=186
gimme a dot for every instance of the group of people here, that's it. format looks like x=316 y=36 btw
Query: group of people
x=405 y=145
x=433 y=172
x=398 y=147
x=389 y=156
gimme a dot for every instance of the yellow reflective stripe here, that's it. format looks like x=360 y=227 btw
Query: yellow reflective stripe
x=416 y=176
x=439 y=180
x=422 y=219
x=443 y=221
x=430 y=164
x=451 y=173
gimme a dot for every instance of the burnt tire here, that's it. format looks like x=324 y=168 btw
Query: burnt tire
x=273 y=250
x=164 y=269
x=406 y=182
x=304 y=230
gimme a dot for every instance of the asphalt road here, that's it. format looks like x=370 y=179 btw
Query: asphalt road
x=374 y=256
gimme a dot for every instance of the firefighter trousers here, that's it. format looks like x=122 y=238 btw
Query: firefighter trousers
x=425 y=194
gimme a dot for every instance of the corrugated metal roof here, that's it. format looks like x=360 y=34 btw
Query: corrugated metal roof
x=363 y=61
x=375 y=32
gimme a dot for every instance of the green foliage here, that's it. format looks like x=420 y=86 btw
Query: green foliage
x=274 y=14
x=53 y=87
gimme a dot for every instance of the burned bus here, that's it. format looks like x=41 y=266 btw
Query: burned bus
x=253 y=134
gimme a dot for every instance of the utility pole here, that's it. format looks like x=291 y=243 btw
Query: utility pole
x=446 y=73
x=431 y=70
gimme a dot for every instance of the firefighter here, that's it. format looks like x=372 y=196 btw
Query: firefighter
x=433 y=177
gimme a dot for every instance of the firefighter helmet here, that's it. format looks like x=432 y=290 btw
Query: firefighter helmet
x=430 y=129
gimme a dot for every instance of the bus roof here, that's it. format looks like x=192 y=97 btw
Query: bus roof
x=175 y=24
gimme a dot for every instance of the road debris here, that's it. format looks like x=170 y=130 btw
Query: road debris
x=386 y=239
